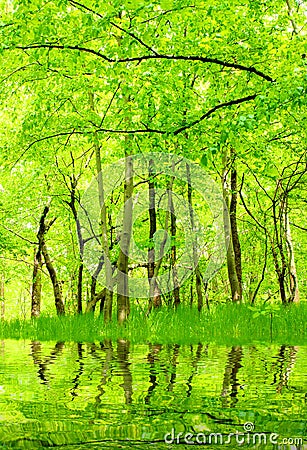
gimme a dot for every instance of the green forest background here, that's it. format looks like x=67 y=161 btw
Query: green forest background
x=82 y=85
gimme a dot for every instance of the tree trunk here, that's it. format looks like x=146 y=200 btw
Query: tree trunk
x=198 y=277
x=100 y=296
x=233 y=223
x=231 y=261
x=176 y=290
x=36 y=284
x=154 y=279
x=278 y=242
x=2 y=301
x=123 y=301
x=72 y=205
x=79 y=288
x=91 y=303
x=156 y=299
x=104 y=230
x=36 y=293
x=294 y=291
x=58 y=297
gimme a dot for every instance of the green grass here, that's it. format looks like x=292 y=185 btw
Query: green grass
x=224 y=324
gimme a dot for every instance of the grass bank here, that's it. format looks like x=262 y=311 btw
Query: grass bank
x=224 y=324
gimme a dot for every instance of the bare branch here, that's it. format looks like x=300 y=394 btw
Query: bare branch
x=290 y=14
x=76 y=4
x=134 y=37
x=139 y=59
x=168 y=11
x=247 y=209
x=136 y=131
x=298 y=226
x=19 y=236
x=211 y=111
x=44 y=139
x=15 y=71
x=109 y=105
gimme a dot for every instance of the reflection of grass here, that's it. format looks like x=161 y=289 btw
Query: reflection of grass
x=225 y=324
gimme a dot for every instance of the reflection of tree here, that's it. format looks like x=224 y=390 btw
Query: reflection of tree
x=76 y=379
x=174 y=363
x=123 y=361
x=195 y=361
x=153 y=360
x=44 y=363
x=152 y=357
x=285 y=362
x=107 y=347
x=230 y=382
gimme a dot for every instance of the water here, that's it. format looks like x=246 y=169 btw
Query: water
x=118 y=395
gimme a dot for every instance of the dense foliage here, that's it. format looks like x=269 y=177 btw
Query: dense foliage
x=86 y=84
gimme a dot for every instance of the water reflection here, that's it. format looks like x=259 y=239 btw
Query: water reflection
x=285 y=362
x=230 y=380
x=153 y=359
x=74 y=393
x=44 y=362
x=80 y=362
x=124 y=366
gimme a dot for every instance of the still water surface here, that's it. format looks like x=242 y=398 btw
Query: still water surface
x=118 y=395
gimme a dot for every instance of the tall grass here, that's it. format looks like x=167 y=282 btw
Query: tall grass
x=224 y=324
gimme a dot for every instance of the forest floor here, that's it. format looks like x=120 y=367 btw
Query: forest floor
x=228 y=324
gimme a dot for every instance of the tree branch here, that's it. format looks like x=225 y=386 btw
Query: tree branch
x=290 y=14
x=135 y=37
x=18 y=235
x=298 y=226
x=139 y=59
x=211 y=111
x=138 y=131
x=76 y=4
x=109 y=105
x=163 y=13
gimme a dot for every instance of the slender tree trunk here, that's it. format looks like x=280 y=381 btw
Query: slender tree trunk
x=99 y=297
x=57 y=290
x=233 y=223
x=282 y=247
x=277 y=243
x=294 y=291
x=231 y=261
x=104 y=230
x=36 y=293
x=290 y=14
x=81 y=250
x=36 y=284
x=198 y=277
x=123 y=301
x=156 y=299
x=72 y=205
x=94 y=297
x=2 y=301
x=176 y=290
x=79 y=288
x=162 y=246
